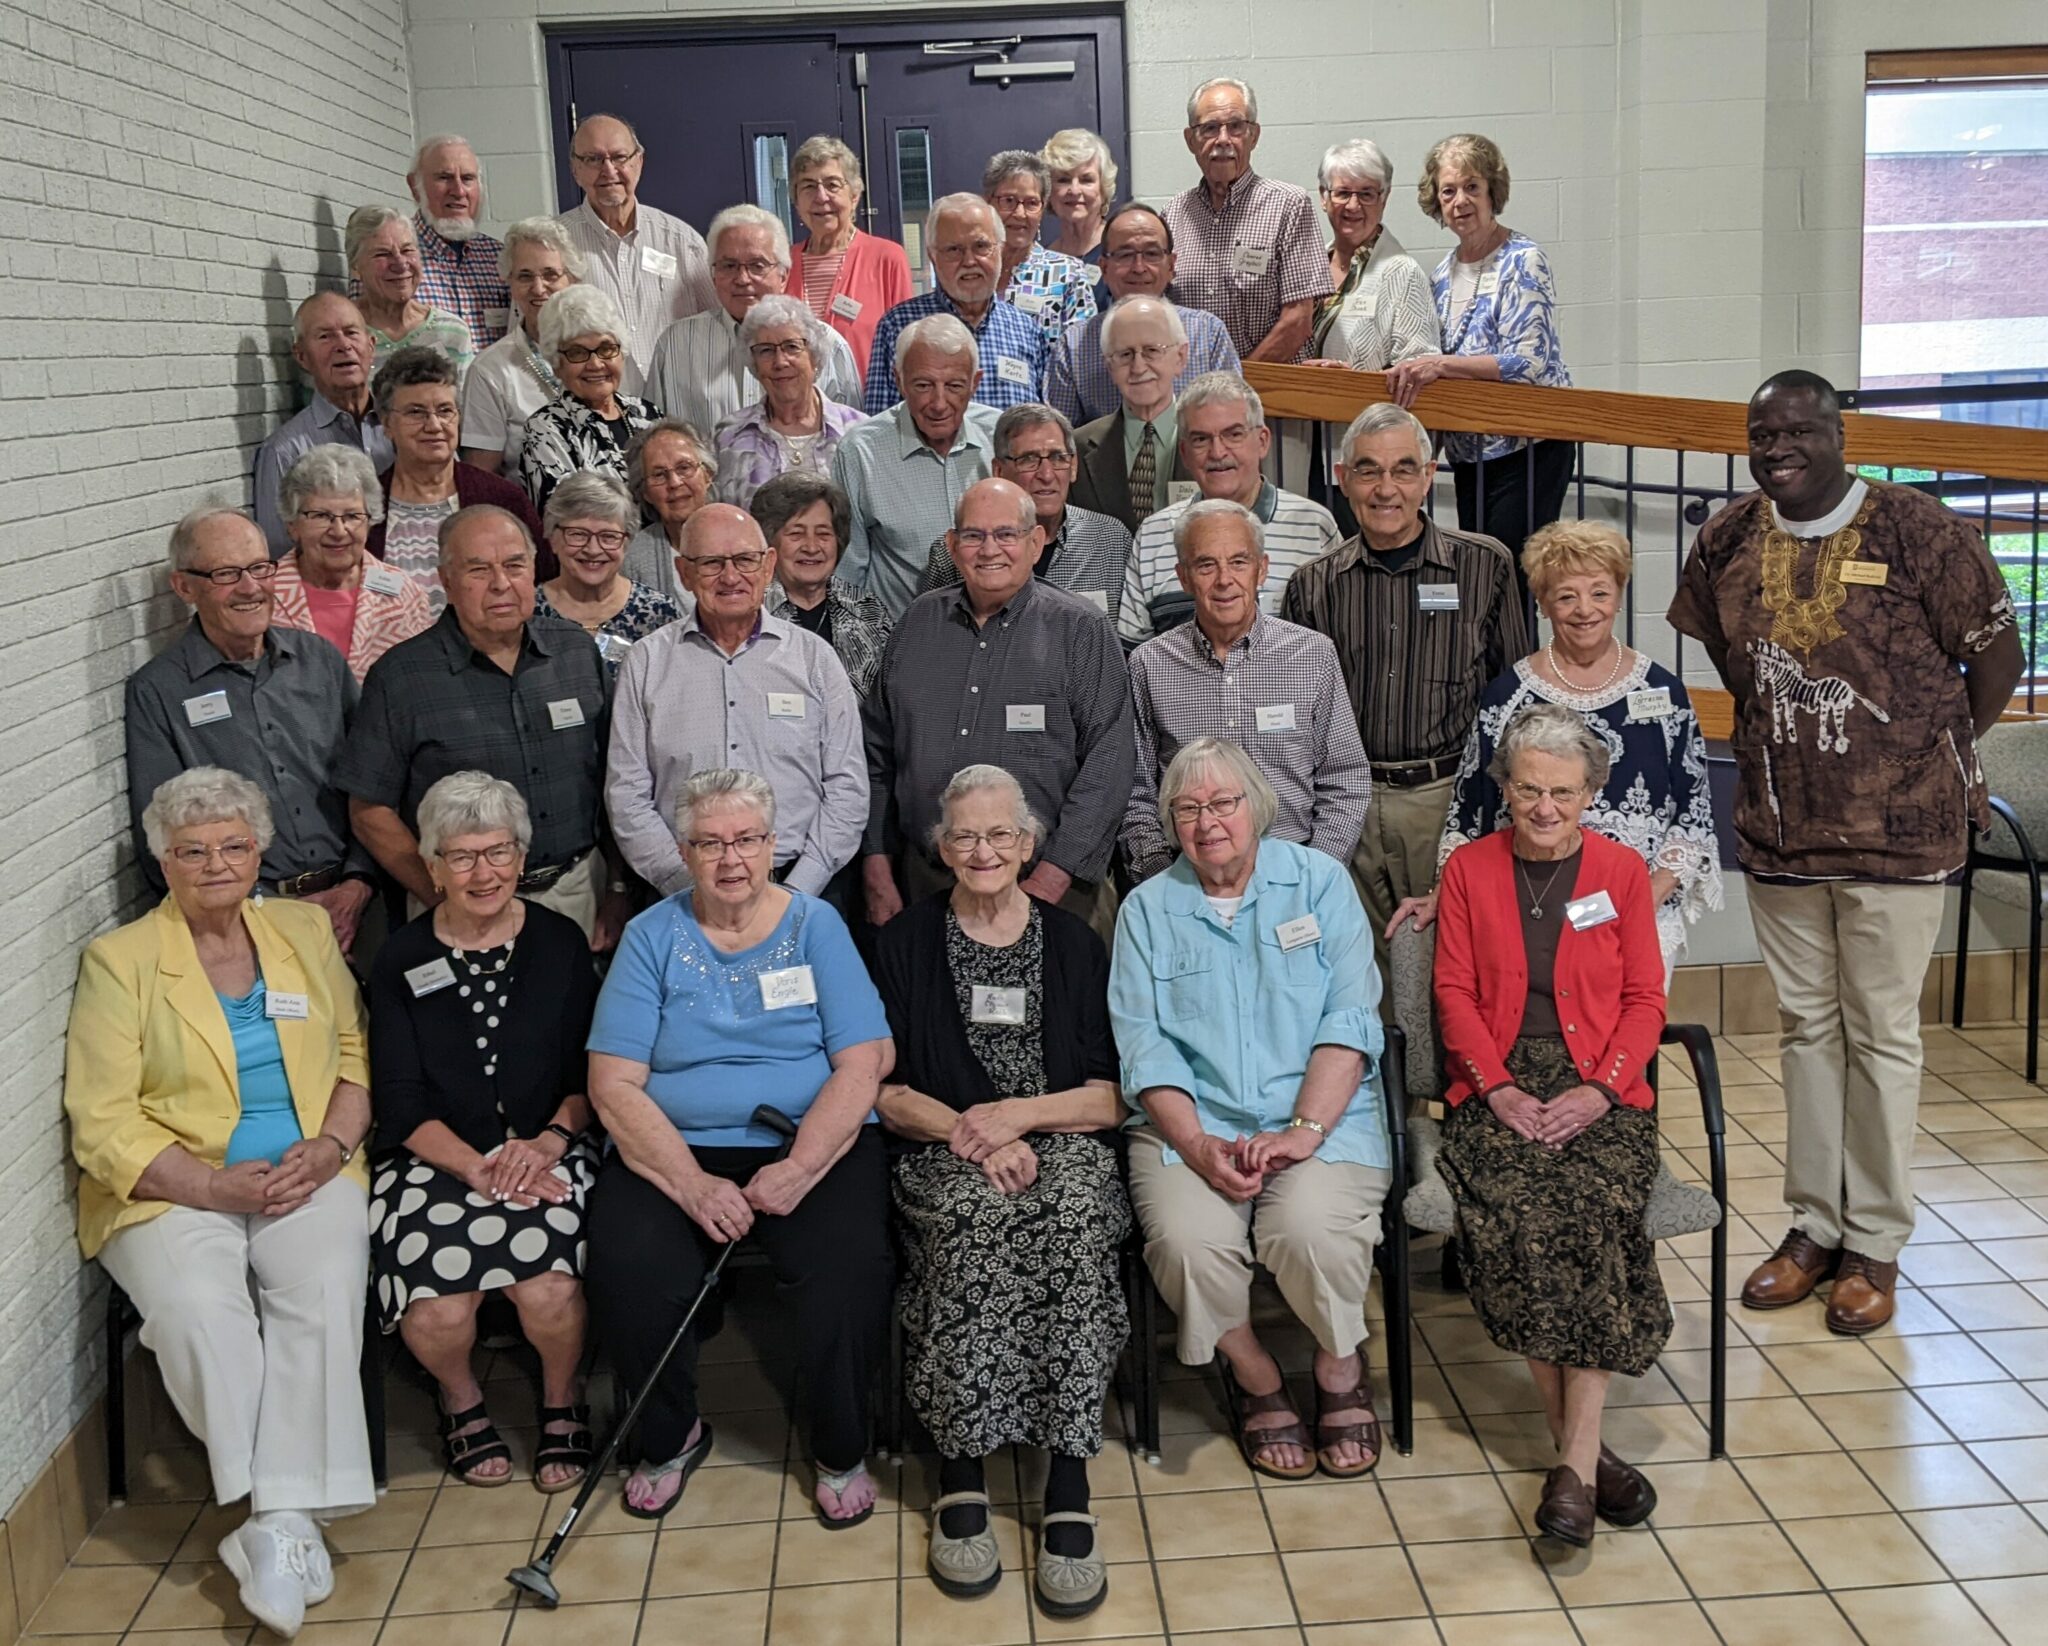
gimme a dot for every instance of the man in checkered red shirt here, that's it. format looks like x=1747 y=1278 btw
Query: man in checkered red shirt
x=461 y=269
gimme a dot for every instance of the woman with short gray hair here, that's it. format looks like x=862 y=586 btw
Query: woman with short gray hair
x=484 y=1143
x=806 y=520
x=669 y=469
x=1382 y=310
x=1053 y=288
x=1246 y=1007
x=510 y=380
x=327 y=583
x=590 y=423
x=590 y=520
x=383 y=254
x=793 y=426
x=1007 y=1190
x=848 y=277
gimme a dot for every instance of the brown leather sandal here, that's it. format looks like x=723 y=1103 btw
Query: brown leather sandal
x=1330 y=1435
x=1251 y=1442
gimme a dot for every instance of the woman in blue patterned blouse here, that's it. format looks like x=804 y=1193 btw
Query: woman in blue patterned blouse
x=1497 y=306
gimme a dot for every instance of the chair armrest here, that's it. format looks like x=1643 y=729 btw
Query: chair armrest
x=1706 y=1070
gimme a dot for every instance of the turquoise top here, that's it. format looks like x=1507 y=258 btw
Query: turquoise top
x=269 y=1124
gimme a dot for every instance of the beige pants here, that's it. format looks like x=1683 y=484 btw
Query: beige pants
x=577 y=894
x=1313 y=1226
x=1094 y=902
x=257 y=1326
x=1847 y=961
x=1396 y=855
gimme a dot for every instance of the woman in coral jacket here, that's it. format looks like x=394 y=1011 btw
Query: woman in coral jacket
x=849 y=277
x=1550 y=1149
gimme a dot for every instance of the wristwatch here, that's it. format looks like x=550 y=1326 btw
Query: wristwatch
x=347 y=1153
x=568 y=1137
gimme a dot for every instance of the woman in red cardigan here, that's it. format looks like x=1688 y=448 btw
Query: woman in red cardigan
x=849 y=277
x=1550 y=994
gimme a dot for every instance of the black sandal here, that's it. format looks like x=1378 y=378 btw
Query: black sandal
x=574 y=1448
x=686 y=1464
x=462 y=1453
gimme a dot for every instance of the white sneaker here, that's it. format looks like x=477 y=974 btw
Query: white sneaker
x=313 y=1546
x=270 y=1566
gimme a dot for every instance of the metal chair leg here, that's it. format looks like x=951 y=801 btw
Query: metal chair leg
x=1955 y=1015
x=373 y=1387
x=117 y=1395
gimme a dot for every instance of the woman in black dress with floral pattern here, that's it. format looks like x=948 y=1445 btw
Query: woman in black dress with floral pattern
x=590 y=519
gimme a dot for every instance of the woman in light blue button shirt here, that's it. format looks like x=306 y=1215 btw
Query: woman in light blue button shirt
x=1246 y=1009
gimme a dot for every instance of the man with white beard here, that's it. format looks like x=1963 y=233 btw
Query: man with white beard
x=460 y=267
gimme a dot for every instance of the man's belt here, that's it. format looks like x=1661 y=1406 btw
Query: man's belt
x=539 y=880
x=1413 y=774
x=303 y=885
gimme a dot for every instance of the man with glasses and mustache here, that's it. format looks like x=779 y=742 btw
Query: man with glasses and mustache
x=271 y=704
x=654 y=266
x=1250 y=250
x=733 y=686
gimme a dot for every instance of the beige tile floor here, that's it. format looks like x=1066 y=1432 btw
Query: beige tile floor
x=1892 y=1491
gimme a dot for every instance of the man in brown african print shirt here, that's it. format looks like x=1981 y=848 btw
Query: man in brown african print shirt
x=1868 y=639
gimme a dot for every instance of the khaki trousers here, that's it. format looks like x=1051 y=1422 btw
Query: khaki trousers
x=1396 y=855
x=1313 y=1226
x=1094 y=902
x=1848 y=961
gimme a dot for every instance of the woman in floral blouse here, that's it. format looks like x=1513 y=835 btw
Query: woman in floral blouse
x=590 y=519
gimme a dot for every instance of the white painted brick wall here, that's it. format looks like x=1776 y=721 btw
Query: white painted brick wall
x=173 y=179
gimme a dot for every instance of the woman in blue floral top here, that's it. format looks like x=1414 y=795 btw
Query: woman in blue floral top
x=1497 y=306
x=1049 y=286
x=590 y=519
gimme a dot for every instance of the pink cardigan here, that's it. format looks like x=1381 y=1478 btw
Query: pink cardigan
x=875 y=275
x=382 y=619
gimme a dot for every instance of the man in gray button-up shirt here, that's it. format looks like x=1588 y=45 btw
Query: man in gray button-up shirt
x=730 y=685
x=272 y=704
x=330 y=341
x=1009 y=671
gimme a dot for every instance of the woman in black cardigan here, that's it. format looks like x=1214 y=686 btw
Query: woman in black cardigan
x=1004 y=1088
x=478 y=1014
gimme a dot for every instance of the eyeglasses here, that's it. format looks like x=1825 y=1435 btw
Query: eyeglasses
x=421 y=416
x=1371 y=474
x=234 y=853
x=1190 y=811
x=1236 y=435
x=581 y=537
x=227 y=577
x=1208 y=565
x=747 y=845
x=959 y=251
x=788 y=350
x=501 y=856
x=353 y=521
x=712 y=565
x=1031 y=462
x=1124 y=256
x=1355 y=197
x=758 y=268
x=685 y=471
x=1017 y=202
x=574 y=354
x=1209 y=130
x=1150 y=353
x=598 y=162
x=1530 y=793
x=973 y=537
x=826 y=183
x=967 y=840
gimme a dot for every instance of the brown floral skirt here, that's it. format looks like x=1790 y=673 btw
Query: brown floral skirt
x=1552 y=1240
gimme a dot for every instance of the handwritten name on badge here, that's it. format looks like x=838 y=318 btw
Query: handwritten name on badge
x=990 y=1005
x=1651 y=703
x=791 y=986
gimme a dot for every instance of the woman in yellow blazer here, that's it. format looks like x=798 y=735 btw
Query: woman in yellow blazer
x=215 y=1076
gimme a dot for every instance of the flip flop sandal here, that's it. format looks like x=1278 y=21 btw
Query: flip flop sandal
x=573 y=1448
x=836 y=1485
x=463 y=1453
x=1330 y=1435
x=686 y=1463
x=1251 y=1442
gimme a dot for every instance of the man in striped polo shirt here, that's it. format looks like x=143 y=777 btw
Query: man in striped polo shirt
x=1223 y=441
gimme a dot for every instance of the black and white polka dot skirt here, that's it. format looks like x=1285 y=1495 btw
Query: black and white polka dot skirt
x=434 y=1236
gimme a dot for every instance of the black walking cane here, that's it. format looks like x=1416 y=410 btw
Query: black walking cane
x=538 y=1577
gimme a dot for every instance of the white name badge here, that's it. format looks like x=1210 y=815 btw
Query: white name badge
x=1587 y=912
x=1024 y=717
x=1031 y=302
x=1250 y=260
x=1298 y=934
x=565 y=713
x=1012 y=370
x=792 y=986
x=1651 y=703
x=291 y=1006
x=425 y=980
x=499 y=318
x=204 y=711
x=1180 y=491
x=996 y=1005
x=847 y=308
x=1489 y=283
x=1095 y=598
x=1274 y=717
x=1436 y=597
x=785 y=705
x=613 y=647
x=662 y=263
x=1094 y=274
x=385 y=580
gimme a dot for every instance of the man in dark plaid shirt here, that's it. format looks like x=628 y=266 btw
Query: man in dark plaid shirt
x=459 y=268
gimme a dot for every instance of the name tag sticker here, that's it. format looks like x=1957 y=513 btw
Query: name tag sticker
x=204 y=711
x=1436 y=597
x=786 y=705
x=1274 y=717
x=1179 y=491
x=1024 y=717
x=1095 y=597
x=1489 y=283
x=1250 y=260
x=1094 y=273
x=996 y=1005
x=1587 y=912
x=1012 y=370
x=1031 y=302
x=1872 y=573
x=613 y=648
x=499 y=318
x=792 y=986
x=662 y=263
x=565 y=713
x=847 y=308
x=1298 y=934
x=385 y=580
x=428 y=979
x=291 y=1006
x=1651 y=703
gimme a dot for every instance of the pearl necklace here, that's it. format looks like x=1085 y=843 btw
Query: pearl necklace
x=1557 y=669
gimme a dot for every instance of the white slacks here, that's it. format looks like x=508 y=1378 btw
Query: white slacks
x=257 y=1326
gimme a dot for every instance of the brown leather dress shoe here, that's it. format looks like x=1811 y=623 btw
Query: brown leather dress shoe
x=1566 y=1512
x=1863 y=1297
x=1622 y=1493
x=1789 y=1274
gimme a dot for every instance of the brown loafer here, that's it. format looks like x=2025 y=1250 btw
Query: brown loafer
x=1863 y=1297
x=1622 y=1493
x=1789 y=1274
x=1566 y=1512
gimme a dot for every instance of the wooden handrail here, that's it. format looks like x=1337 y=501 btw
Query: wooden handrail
x=1662 y=422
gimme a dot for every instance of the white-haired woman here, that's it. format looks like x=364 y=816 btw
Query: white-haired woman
x=1246 y=1007
x=510 y=380
x=481 y=1007
x=1083 y=190
x=326 y=582
x=735 y=993
x=1381 y=311
x=1004 y=1093
x=850 y=278
x=383 y=255
x=1048 y=285
x=1550 y=993
x=793 y=426
x=590 y=520
x=590 y=423
x=216 y=1081
x=669 y=468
